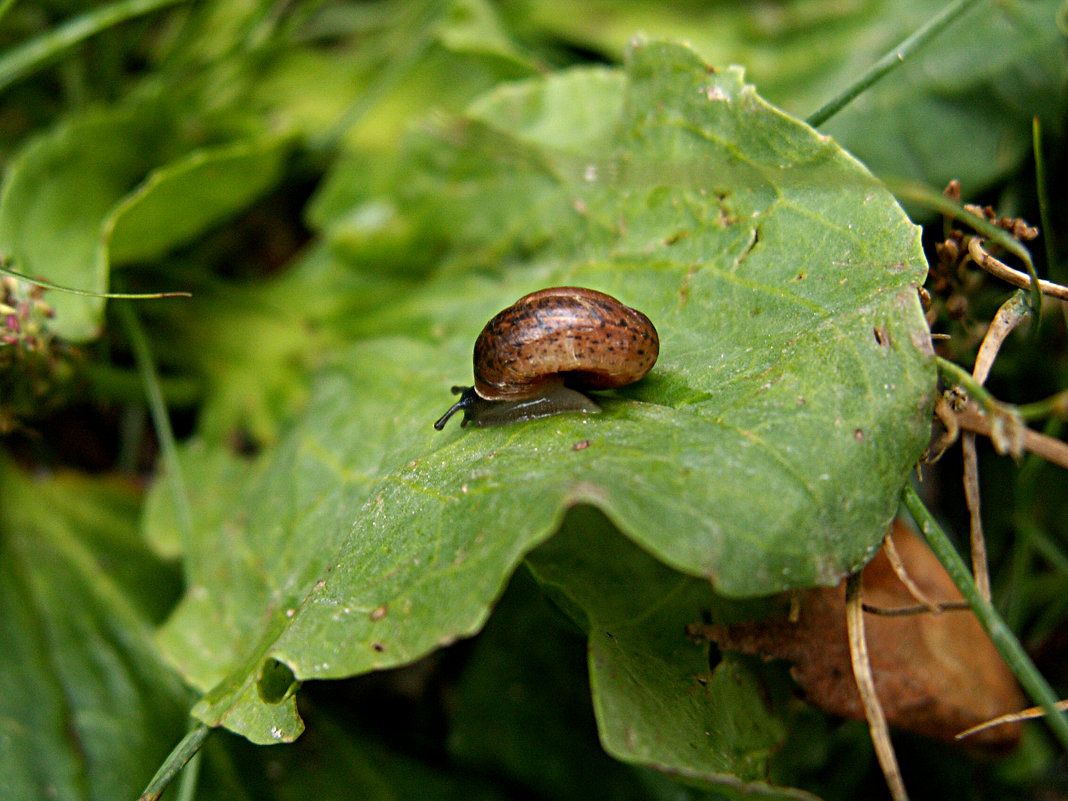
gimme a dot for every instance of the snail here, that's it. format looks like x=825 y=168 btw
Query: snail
x=532 y=358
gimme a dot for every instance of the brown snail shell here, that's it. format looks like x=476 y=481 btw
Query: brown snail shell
x=546 y=345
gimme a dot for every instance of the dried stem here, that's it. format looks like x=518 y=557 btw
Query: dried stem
x=944 y=412
x=1006 y=273
x=1011 y=313
x=980 y=565
x=899 y=569
x=919 y=609
x=994 y=230
x=873 y=710
x=1050 y=449
x=1026 y=714
x=977 y=542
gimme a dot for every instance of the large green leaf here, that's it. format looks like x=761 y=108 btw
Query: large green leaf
x=766 y=450
x=87 y=711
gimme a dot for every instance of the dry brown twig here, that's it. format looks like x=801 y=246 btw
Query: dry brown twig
x=1015 y=442
x=1011 y=314
x=1052 y=450
x=873 y=709
x=1000 y=269
x=946 y=415
x=1002 y=424
x=1006 y=432
x=899 y=570
x=950 y=276
x=917 y=609
x=1030 y=713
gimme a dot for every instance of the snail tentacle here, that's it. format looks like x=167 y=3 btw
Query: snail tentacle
x=467 y=398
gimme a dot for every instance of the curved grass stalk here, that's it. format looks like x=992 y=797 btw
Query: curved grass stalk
x=955 y=375
x=951 y=209
x=112 y=295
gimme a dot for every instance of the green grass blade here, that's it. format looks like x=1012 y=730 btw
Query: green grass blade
x=26 y=59
x=891 y=60
x=5 y=6
x=186 y=749
x=158 y=409
x=1053 y=268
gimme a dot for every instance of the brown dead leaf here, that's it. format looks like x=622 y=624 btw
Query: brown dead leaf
x=935 y=674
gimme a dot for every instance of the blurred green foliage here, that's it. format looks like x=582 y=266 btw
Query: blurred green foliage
x=350 y=190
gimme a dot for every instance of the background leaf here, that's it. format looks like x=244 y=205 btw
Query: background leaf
x=66 y=182
x=964 y=108
x=961 y=108
x=86 y=708
x=74 y=191
x=179 y=201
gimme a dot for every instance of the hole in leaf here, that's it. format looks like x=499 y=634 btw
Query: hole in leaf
x=276 y=682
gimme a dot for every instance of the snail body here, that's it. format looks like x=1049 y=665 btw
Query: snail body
x=532 y=358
